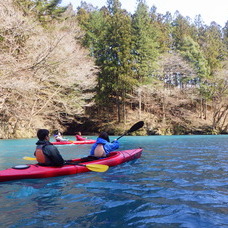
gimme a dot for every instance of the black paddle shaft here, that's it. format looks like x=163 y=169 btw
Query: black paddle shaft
x=135 y=127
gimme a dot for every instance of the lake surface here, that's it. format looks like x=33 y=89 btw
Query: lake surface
x=180 y=181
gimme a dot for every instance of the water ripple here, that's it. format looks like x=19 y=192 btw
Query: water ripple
x=180 y=181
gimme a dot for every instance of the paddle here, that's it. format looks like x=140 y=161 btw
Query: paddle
x=135 y=127
x=95 y=167
x=29 y=158
x=92 y=167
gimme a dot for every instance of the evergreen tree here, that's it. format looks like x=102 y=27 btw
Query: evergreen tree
x=48 y=10
x=162 y=26
x=116 y=78
x=213 y=46
x=94 y=25
x=44 y=10
x=181 y=28
x=225 y=38
x=192 y=52
x=145 y=47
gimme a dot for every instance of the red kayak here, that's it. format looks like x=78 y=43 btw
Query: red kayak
x=33 y=171
x=88 y=141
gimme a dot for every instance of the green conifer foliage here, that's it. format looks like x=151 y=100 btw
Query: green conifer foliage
x=213 y=46
x=145 y=46
x=225 y=37
x=162 y=26
x=45 y=10
x=181 y=27
x=115 y=60
x=192 y=52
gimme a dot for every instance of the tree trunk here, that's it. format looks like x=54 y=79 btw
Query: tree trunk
x=140 y=103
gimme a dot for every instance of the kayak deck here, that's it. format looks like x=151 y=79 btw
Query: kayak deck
x=36 y=171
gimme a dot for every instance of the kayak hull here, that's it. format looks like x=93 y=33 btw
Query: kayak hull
x=36 y=171
x=91 y=141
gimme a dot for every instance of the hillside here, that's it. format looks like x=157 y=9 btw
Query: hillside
x=70 y=71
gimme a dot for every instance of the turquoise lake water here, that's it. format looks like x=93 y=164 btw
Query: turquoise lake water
x=180 y=181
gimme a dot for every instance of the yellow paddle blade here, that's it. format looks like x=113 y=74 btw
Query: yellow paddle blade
x=92 y=167
x=97 y=167
x=29 y=158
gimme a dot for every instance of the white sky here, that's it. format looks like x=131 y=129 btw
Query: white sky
x=210 y=10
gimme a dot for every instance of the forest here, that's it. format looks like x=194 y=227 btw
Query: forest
x=94 y=69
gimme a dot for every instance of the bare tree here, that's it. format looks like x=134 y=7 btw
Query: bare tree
x=38 y=68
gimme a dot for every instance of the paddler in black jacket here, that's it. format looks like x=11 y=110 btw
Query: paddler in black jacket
x=46 y=153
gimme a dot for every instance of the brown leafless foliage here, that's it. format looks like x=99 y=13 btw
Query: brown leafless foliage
x=170 y=105
x=220 y=101
x=38 y=68
x=175 y=71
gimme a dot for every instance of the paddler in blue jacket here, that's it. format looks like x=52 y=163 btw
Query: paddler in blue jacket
x=46 y=153
x=102 y=147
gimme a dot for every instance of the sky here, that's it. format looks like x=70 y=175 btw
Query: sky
x=210 y=10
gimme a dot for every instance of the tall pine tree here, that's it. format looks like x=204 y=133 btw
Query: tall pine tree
x=116 y=78
x=145 y=47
